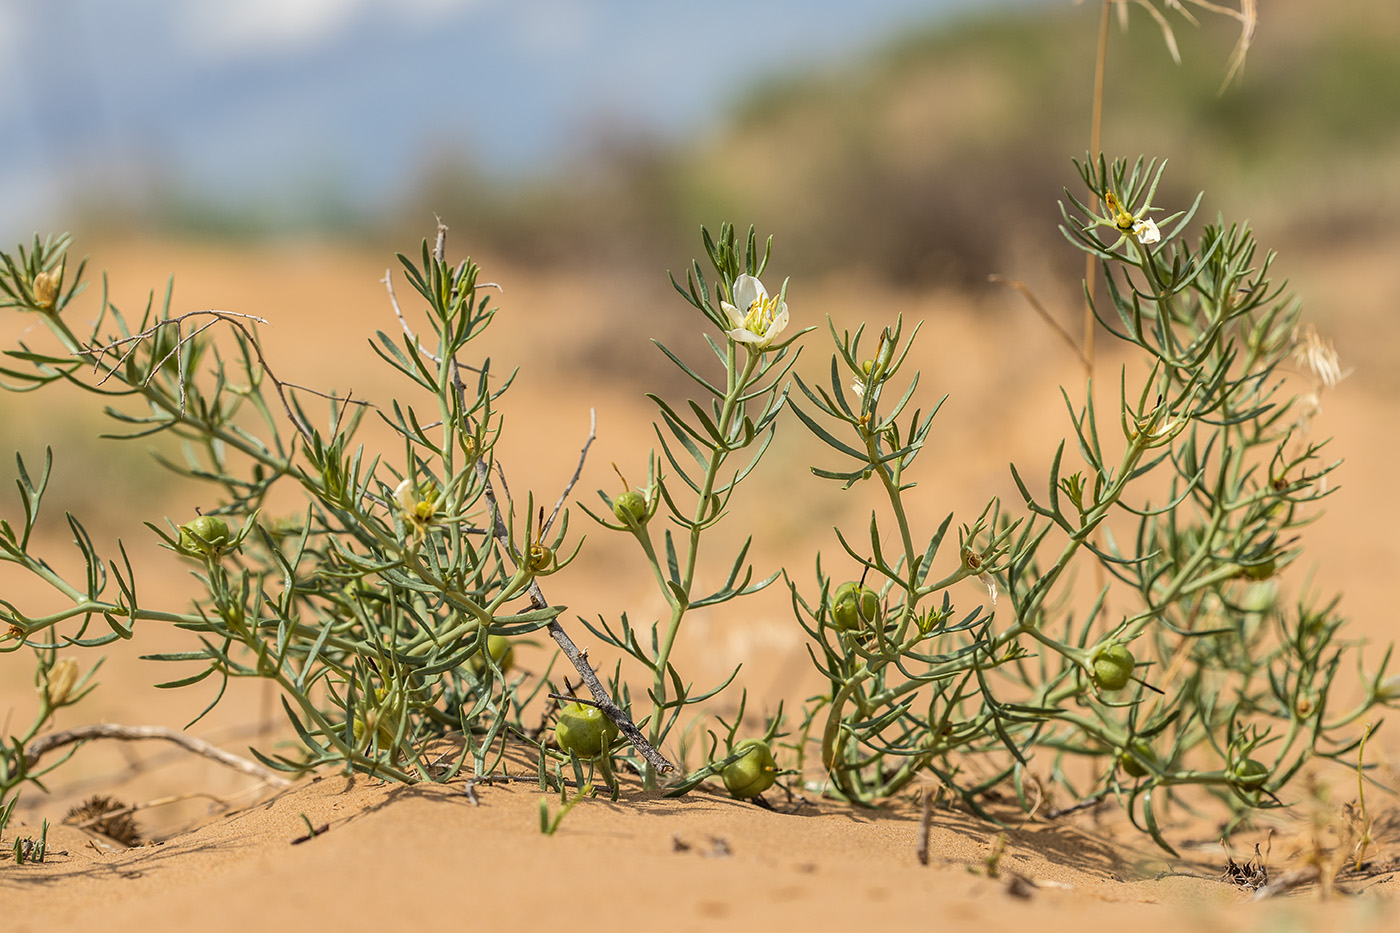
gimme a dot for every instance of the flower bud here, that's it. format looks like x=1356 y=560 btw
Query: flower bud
x=381 y=722
x=58 y=684
x=418 y=508
x=631 y=504
x=372 y=723
x=46 y=288
x=1113 y=667
x=752 y=774
x=1260 y=597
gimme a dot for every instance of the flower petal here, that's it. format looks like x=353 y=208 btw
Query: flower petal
x=747 y=290
x=780 y=321
x=732 y=314
x=1146 y=231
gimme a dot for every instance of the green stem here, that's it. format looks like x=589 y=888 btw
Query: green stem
x=737 y=382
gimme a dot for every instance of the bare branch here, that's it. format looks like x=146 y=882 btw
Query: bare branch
x=234 y=319
x=136 y=338
x=109 y=730
x=582 y=456
x=388 y=281
x=577 y=658
x=925 y=824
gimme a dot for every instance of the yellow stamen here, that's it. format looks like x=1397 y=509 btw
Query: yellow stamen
x=760 y=315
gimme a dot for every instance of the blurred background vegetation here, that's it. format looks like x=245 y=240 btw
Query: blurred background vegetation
x=933 y=161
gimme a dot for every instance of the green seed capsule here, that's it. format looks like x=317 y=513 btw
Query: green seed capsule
x=584 y=730
x=1249 y=773
x=1113 y=667
x=631 y=504
x=542 y=560
x=1132 y=761
x=204 y=535
x=1261 y=571
x=752 y=774
x=501 y=651
x=855 y=606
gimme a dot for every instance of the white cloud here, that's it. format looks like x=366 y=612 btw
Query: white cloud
x=239 y=28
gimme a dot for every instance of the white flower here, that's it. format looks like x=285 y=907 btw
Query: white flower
x=987 y=580
x=1139 y=226
x=761 y=319
x=404 y=496
x=1146 y=231
x=861 y=382
x=417 y=508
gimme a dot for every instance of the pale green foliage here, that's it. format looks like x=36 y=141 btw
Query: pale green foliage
x=698 y=442
x=1197 y=676
x=367 y=606
x=373 y=609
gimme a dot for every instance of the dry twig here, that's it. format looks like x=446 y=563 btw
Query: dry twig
x=109 y=730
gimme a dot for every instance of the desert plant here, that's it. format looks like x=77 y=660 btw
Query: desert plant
x=58 y=683
x=1204 y=679
x=384 y=607
x=379 y=609
x=738 y=418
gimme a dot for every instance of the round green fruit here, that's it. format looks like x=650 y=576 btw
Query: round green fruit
x=1131 y=761
x=383 y=734
x=1249 y=773
x=1263 y=570
x=855 y=606
x=204 y=535
x=541 y=560
x=752 y=774
x=1113 y=667
x=501 y=651
x=584 y=730
x=631 y=504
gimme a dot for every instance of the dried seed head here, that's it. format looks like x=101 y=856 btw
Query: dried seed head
x=108 y=816
x=1317 y=357
x=59 y=683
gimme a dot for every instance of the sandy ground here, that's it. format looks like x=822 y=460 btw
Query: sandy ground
x=393 y=856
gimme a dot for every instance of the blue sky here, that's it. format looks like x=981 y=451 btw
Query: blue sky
x=257 y=99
